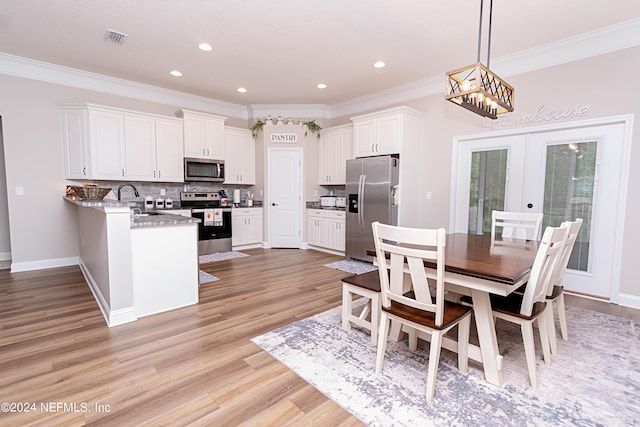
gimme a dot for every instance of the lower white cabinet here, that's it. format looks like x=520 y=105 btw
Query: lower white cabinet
x=246 y=226
x=326 y=229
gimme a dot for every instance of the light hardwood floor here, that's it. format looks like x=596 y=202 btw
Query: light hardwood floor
x=194 y=365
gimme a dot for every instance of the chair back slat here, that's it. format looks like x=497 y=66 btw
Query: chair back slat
x=540 y=279
x=516 y=225
x=561 y=266
x=401 y=253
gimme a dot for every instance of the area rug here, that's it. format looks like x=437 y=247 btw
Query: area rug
x=594 y=380
x=352 y=266
x=221 y=256
x=206 y=277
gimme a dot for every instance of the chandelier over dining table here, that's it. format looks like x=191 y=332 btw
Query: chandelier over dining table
x=476 y=87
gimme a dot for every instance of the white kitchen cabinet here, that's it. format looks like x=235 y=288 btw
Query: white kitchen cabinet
x=335 y=149
x=140 y=148
x=383 y=132
x=106 y=136
x=203 y=135
x=112 y=144
x=326 y=229
x=246 y=226
x=398 y=131
x=239 y=157
x=75 y=138
x=169 y=150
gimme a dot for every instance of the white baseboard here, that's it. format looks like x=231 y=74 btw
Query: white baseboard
x=628 y=300
x=5 y=256
x=42 y=264
x=112 y=317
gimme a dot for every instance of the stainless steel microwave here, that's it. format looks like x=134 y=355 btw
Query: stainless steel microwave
x=203 y=170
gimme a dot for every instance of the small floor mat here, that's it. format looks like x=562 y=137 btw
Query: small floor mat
x=352 y=266
x=207 y=278
x=221 y=256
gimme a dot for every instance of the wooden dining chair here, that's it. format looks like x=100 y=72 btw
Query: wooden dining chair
x=419 y=309
x=525 y=309
x=516 y=225
x=555 y=293
x=365 y=285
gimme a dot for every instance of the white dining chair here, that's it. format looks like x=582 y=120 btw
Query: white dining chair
x=516 y=225
x=525 y=309
x=420 y=309
x=555 y=293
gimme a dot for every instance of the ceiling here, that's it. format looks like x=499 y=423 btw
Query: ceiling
x=279 y=50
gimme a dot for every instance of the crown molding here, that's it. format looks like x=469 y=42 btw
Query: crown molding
x=66 y=76
x=593 y=43
x=598 y=42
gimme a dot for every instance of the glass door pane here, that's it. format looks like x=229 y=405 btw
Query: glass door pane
x=487 y=188
x=569 y=192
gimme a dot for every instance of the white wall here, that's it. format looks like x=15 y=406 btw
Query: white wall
x=5 y=243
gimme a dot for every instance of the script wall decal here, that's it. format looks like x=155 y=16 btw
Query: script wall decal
x=541 y=115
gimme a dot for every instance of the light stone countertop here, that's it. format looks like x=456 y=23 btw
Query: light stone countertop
x=136 y=221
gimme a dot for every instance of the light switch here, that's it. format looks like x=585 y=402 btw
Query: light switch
x=19 y=191
x=428 y=195
x=162 y=192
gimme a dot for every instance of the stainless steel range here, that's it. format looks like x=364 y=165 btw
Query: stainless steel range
x=214 y=230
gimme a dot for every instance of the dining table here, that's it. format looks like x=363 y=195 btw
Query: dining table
x=477 y=268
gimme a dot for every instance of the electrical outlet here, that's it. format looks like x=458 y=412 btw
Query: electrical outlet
x=19 y=191
x=162 y=192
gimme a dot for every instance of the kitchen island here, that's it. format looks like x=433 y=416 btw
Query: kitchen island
x=136 y=265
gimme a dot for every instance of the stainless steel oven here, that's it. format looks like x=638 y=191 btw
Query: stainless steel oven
x=214 y=229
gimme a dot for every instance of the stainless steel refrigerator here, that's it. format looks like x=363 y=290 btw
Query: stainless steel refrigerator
x=372 y=195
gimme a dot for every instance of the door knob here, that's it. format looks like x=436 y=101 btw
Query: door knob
x=274 y=204
x=529 y=205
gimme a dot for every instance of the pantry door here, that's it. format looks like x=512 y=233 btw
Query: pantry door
x=565 y=174
x=284 y=199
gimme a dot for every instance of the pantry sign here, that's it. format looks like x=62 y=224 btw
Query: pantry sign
x=284 y=138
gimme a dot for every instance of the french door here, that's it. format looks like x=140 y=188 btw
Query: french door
x=565 y=174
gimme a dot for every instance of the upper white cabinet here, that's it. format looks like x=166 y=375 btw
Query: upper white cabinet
x=384 y=132
x=106 y=136
x=239 y=157
x=112 y=144
x=154 y=149
x=335 y=149
x=169 y=150
x=203 y=135
x=77 y=154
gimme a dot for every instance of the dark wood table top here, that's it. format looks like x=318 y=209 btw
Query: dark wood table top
x=508 y=261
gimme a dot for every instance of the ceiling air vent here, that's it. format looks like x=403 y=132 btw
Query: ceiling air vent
x=114 y=37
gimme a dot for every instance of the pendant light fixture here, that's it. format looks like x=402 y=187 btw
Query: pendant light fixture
x=476 y=87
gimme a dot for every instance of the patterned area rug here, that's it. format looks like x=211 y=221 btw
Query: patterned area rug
x=207 y=278
x=352 y=266
x=594 y=380
x=221 y=256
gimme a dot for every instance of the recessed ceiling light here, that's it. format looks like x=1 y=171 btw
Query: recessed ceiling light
x=321 y=86
x=175 y=73
x=205 y=46
x=242 y=90
x=379 y=64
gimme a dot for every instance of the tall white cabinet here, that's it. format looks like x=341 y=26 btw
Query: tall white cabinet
x=396 y=131
x=335 y=149
x=239 y=156
x=203 y=135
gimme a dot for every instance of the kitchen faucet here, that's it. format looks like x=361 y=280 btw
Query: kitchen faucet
x=135 y=190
